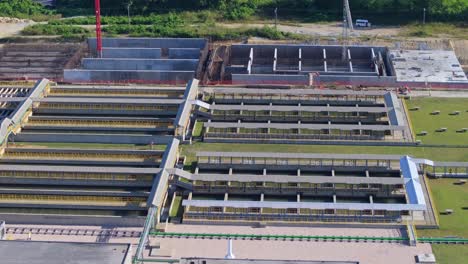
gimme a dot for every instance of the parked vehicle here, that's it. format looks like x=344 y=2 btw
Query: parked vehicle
x=363 y=23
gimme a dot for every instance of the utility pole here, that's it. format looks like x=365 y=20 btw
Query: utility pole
x=347 y=24
x=348 y=17
x=97 y=8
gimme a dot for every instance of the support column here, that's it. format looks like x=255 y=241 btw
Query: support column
x=275 y=60
x=300 y=60
x=298 y=200
x=207 y=128
x=196 y=170
x=262 y=196
x=334 y=201
x=374 y=61
x=371 y=200
x=226 y=197
x=299 y=111
x=325 y=67
x=187 y=208
x=298 y=172
x=249 y=65
x=238 y=128
x=350 y=61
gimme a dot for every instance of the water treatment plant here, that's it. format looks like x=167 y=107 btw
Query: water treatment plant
x=198 y=151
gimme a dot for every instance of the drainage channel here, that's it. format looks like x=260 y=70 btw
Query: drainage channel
x=309 y=238
x=72 y=232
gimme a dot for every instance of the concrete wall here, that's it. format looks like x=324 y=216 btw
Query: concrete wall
x=72 y=220
x=240 y=52
x=138 y=53
x=148 y=43
x=139 y=64
x=173 y=77
x=184 y=53
x=270 y=79
x=90 y=138
x=357 y=80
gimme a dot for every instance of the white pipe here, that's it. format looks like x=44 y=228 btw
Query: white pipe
x=230 y=254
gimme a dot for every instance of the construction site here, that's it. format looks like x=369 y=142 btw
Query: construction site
x=141 y=150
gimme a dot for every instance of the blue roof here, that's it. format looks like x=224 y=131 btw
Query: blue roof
x=413 y=185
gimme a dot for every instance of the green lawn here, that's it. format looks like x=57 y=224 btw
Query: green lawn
x=197 y=129
x=177 y=208
x=447 y=195
x=422 y=119
x=450 y=254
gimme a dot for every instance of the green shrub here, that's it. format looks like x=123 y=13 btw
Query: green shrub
x=24 y=9
x=170 y=19
x=237 y=9
x=62 y=30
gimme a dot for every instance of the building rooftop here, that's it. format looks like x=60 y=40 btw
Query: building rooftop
x=41 y=252
x=427 y=66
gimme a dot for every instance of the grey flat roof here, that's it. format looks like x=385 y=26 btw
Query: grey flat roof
x=183 y=113
x=305 y=92
x=12 y=99
x=343 y=109
x=304 y=205
x=108 y=100
x=395 y=110
x=298 y=155
x=42 y=252
x=303 y=126
x=84 y=169
x=287 y=178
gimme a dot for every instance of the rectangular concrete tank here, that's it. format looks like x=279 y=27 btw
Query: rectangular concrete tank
x=148 y=43
x=172 y=77
x=137 y=53
x=140 y=64
x=185 y=53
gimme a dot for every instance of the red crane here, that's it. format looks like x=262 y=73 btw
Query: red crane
x=97 y=8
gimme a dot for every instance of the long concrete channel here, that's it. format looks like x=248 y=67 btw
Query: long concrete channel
x=440 y=240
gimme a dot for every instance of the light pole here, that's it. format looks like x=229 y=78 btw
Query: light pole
x=424 y=16
x=276 y=18
x=128 y=11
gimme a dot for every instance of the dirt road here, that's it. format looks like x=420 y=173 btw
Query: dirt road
x=12 y=26
x=323 y=29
